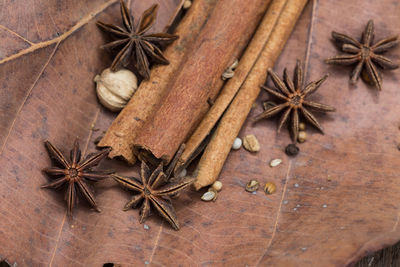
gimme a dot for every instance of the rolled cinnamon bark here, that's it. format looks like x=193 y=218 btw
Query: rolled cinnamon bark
x=226 y=33
x=230 y=89
x=126 y=126
x=215 y=154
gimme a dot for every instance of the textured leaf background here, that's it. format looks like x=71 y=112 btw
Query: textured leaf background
x=48 y=57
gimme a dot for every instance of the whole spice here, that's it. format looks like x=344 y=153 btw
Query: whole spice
x=366 y=55
x=251 y=143
x=252 y=186
x=133 y=42
x=210 y=195
x=293 y=95
x=275 y=162
x=292 y=150
x=187 y=4
x=230 y=71
x=269 y=188
x=217 y=186
x=302 y=136
x=237 y=144
x=114 y=89
x=302 y=126
x=154 y=190
x=75 y=173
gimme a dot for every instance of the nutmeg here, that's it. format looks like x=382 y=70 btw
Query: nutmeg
x=114 y=89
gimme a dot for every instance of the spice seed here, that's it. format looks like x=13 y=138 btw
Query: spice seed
x=302 y=137
x=187 y=4
x=237 y=144
x=302 y=126
x=217 y=186
x=209 y=196
x=251 y=143
x=275 y=162
x=252 y=186
x=269 y=188
x=292 y=150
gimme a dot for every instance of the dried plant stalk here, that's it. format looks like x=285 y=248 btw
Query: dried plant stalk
x=225 y=34
x=232 y=86
x=215 y=154
x=121 y=134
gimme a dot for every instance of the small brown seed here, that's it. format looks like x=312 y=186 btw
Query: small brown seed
x=252 y=186
x=302 y=126
x=269 y=188
x=302 y=137
x=209 y=196
x=251 y=143
x=292 y=150
x=217 y=186
x=187 y=4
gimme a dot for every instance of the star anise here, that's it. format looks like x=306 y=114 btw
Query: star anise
x=75 y=173
x=365 y=55
x=294 y=96
x=154 y=190
x=133 y=42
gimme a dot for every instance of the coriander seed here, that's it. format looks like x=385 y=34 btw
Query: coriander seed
x=269 y=188
x=252 y=186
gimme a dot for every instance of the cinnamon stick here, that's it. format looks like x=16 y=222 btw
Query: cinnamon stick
x=126 y=126
x=230 y=89
x=215 y=154
x=199 y=77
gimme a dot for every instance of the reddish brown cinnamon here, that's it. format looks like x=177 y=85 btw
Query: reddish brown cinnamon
x=226 y=33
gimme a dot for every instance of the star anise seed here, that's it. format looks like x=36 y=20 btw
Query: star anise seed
x=75 y=173
x=294 y=97
x=132 y=41
x=154 y=191
x=365 y=55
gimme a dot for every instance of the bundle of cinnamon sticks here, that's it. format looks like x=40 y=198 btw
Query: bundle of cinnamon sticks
x=184 y=101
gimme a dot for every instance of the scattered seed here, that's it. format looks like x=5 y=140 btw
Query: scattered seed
x=187 y=4
x=268 y=104
x=329 y=178
x=251 y=143
x=237 y=144
x=285 y=202
x=324 y=206
x=302 y=126
x=275 y=162
x=302 y=137
x=146 y=227
x=252 y=186
x=292 y=150
x=296 y=185
x=269 y=188
x=209 y=196
x=217 y=186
